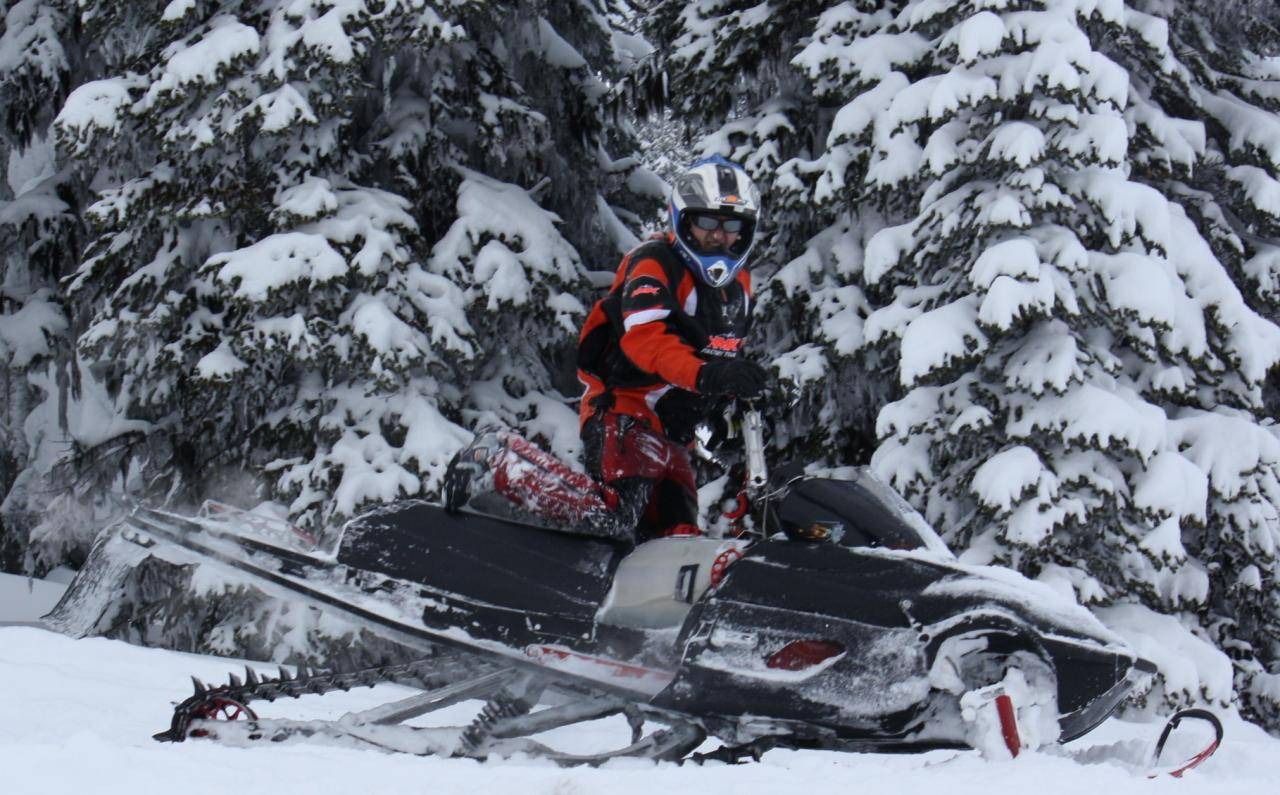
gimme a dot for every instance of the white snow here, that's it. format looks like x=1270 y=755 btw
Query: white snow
x=1165 y=544
x=30 y=35
x=980 y=34
x=1096 y=417
x=1048 y=359
x=276 y=261
x=1036 y=709
x=1190 y=667
x=621 y=235
x=372 y=469
x=1138 y=285
x=1262 y=190
x=1018 y=142
x=525 y=256
x=227 y=41
x=308 y=201
x=1251 y=127
x=176 y=10
x=78 y=715
x=220 y=363
x=805 y=363
x=91 y=420
x=29 y=167
x=281 y=109
x=26 y=599
x=1001 y=481
x=91 y=107
x=1174 y=485
x=938 y=337
x=556 y=50
x=27 y=333
x=885 y=250
x=325 y=33
x=1225 y=448
x=1015 y=282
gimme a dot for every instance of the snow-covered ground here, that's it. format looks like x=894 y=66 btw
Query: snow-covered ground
x=78 y=715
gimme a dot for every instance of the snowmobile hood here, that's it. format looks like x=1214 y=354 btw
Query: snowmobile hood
x=885 y=614
x=900 y=588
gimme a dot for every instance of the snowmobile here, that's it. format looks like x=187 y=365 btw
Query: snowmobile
x=843 y=623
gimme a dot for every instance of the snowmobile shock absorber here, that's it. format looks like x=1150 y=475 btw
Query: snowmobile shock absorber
x=511 y=701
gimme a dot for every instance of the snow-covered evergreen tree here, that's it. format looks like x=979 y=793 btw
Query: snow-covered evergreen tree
x=1044 y=256
x=331 y=236
x=39 y=231
x=1234 y=197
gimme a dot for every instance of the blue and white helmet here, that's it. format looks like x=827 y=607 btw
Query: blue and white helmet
x=714 y=186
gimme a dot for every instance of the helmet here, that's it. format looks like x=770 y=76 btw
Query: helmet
x=714 y=186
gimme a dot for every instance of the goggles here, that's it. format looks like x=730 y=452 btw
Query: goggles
x=710 y=223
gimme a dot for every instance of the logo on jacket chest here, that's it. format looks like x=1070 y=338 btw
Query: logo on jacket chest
x=721 y=345
x=721 y=319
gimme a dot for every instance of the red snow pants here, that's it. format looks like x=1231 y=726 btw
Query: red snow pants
x=648 y=479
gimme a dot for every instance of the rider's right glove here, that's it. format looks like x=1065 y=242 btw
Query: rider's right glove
x=736 y=377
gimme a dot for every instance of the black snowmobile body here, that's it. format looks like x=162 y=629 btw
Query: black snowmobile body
x=866 y=638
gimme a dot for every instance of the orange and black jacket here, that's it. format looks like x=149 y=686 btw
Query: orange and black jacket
x=644 y=343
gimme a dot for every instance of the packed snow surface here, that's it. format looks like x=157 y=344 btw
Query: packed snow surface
x=78 y=715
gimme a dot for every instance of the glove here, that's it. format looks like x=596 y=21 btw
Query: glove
x=457 y=484
x=736 y=377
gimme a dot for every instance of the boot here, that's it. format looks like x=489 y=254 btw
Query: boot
x=470 y=472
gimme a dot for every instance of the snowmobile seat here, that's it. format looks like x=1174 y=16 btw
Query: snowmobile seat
x=655 y=586
x=506 y=576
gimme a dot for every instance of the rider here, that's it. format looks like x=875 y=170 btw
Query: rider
x=657 y=355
